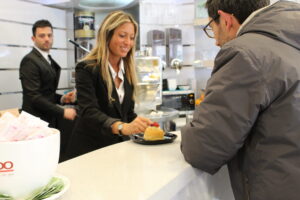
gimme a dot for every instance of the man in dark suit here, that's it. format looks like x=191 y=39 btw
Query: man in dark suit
x=39 y=75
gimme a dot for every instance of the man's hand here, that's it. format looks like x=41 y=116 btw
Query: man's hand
x=69 y=113
x=70 y=97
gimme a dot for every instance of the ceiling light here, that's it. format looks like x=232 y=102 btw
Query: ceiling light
x=104 y=4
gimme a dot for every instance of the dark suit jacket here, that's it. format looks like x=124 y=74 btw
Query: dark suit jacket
x=39 y=82
x=96 y=114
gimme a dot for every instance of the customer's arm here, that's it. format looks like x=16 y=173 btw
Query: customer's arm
x=234 y=97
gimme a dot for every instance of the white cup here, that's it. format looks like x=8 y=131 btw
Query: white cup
x=172 y=84
x=28 y=165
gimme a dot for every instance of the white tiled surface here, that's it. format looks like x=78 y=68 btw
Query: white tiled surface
x=26 y=12
x=205 y=48
x=188 y=55
x=159 y=13
x=188 y=34
x=16 y=20
x=9 y=81
x=63 y=81
x=20 y=34
x=186 y=13
x=10 y=101
x=60 y=56
x=10 y=57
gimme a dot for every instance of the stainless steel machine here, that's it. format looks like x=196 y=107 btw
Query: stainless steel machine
x=156 y=40
x=174 y=54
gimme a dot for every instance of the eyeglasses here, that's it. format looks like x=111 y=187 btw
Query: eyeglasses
x=208 y=30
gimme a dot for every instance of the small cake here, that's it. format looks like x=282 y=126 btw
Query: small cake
x=153 y=132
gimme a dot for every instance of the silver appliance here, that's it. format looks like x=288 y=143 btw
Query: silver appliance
x=156 y=40
x=181 y=100
x=174 y=54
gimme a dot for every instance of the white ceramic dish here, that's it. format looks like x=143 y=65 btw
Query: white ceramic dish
x=66 y=187
x=184 y=87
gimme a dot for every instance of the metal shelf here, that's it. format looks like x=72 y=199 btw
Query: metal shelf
x=156 y=83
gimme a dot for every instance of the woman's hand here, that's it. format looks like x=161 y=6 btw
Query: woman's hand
x=138 y=125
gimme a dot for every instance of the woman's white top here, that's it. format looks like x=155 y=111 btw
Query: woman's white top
x=120 y=74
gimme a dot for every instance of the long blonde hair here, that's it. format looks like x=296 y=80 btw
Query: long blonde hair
x=100 y=52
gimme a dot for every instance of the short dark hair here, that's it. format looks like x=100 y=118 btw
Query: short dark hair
x=241 y=9
x=40 y=24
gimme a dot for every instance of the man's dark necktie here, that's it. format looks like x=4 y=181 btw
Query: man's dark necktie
x=52 y=63
x=51 y=60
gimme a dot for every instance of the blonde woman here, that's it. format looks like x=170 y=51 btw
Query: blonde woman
x=106 y=85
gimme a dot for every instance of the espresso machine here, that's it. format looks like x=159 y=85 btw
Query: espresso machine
x=156 y=40
x=174 y=50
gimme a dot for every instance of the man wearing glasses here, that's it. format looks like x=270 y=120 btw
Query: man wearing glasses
x=250 y=116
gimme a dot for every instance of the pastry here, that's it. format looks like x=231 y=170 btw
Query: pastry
x=154 y=132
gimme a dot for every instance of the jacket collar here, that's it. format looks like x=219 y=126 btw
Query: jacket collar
x=43 y=53
x=42 y=58
x=249 y=18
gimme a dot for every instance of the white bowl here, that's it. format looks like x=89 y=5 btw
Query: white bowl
x=28 y=165
x=184 y=87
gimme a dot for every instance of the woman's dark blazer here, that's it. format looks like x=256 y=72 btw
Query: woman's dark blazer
x=96 y=114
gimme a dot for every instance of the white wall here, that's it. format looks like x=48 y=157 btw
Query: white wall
x=162 y=14
x=16 y=20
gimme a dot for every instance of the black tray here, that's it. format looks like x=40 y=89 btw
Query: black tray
x=139 y=138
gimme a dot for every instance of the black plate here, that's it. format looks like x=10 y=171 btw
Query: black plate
x=139 y=138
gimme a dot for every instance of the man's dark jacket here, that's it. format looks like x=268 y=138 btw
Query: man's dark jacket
x=39 y=81
x=250 y=117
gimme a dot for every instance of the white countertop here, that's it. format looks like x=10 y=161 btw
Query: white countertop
x=131 y=171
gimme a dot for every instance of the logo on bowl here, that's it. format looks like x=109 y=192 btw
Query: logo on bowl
x=7 y=166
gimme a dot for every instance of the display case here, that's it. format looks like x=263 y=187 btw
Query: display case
x=149 y=86
x=149 y=92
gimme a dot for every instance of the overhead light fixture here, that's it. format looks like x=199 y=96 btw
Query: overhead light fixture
x=104 y=4
x=49 y=2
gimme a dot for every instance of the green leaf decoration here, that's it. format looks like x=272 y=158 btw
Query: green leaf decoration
x=5 y=197
x=54 y=186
